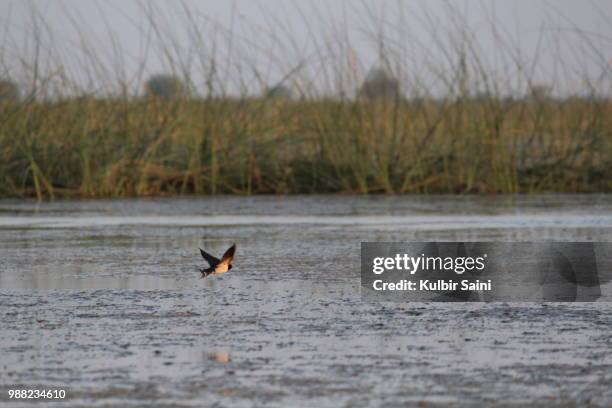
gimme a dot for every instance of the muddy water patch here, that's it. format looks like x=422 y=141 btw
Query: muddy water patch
x=112 y=309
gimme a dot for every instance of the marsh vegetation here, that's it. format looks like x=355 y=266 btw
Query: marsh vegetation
x=77 y=122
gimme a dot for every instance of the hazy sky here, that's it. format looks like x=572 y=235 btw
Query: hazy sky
x=326 y=45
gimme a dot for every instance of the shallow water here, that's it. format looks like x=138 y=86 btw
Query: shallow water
x=103 y=299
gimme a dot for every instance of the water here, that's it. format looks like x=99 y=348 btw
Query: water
x=103 y=299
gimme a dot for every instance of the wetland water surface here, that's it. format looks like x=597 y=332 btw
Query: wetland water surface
x=103 y=299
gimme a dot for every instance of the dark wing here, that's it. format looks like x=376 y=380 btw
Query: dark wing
x=228 y=255
x=212 y=261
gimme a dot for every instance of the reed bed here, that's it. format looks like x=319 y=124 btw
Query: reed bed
x=329 y=133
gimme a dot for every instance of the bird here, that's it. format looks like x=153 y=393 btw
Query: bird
x=218 y=266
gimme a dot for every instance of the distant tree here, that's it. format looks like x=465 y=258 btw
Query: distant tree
x=379 y=84
x=9 y=90
x=540 y=92
x=278 y=91
x=165 y=86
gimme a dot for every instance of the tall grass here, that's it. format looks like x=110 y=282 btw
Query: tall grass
x=453 y=123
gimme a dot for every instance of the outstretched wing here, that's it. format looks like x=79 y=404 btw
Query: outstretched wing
x=229 y=254
x=212 y=261
x=226 y=260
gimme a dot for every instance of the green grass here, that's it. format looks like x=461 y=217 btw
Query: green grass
x=444 y=123
x=142 y=147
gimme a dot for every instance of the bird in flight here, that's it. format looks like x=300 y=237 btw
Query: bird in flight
x=218 y=266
